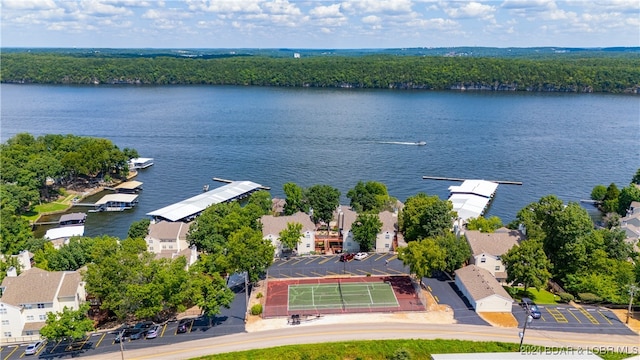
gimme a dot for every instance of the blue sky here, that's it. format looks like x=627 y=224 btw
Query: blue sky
x=319 y=24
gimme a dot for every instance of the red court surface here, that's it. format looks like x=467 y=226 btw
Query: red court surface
x=277 y=296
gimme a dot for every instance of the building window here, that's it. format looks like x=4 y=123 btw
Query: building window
x=150 y=248
x=386 y=236
x=42 y=317
x=497 y=257
x=27 y=306
x=386 y=245
x=483 y=260
x=40 y=306
x=5 y=322
x=150 y=242
x=7 y=334
x=3 y=310
x=498 y=268
x=308 y=245
x=28 y=332
x=30 y=318
x=308 y=236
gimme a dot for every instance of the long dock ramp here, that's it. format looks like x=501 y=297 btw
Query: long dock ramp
x=504 y=182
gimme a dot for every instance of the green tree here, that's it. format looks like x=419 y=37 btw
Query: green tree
x=15 y=232
x=426 y=216
x=291 y=236
x=423 y=257
x=323 y=199
x=370 y=196
x=610 y=201
x=527 y=264
x=210 y=292
x=485 y=225
x=261 y=200
x=365 y=229
x=457 y=250
x=248 y=252
x=598 y=193
x=139 y=229
x=294 y=199
x=636 y=177
x=627 y=195
x=72 y=324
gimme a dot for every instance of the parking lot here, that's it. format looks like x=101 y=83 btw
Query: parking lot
x=330 y=265
x=229 y=321
x=445 y=291
x=587 y=319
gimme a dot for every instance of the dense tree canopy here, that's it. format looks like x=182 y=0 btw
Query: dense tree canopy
x=425 y=216
x=575 y=74
x=324 y=200
x=291 y=236
x=423 y=257
x=370 y=196
x=70 y=324
x=485 y=225
x=527 y=264
x=365 y=229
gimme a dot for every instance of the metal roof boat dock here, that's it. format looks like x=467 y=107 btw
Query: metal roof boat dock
x=72 y=219
x=129 y=187
x=472 y=198
x=65 y=232
x=140 y=163
x=188 y=209
x=116 y=202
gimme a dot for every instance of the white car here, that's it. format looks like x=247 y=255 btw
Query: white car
x=361 y=256
x=32 y=349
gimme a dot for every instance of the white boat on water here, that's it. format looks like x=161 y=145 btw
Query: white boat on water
x=140 y=163
x=418 y=143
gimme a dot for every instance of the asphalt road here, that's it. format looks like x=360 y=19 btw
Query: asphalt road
x=307 y=334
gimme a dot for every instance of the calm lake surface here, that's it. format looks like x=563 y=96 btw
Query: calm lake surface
x=562 y=144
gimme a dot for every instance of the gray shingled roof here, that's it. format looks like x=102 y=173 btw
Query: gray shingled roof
x=167 y=230
x=38 y=286
x=497 y=243
x=272 y=225
x=480 y=283
x=349 y=217
x=388 y=220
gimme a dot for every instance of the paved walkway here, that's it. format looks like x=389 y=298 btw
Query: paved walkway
x=373 y=331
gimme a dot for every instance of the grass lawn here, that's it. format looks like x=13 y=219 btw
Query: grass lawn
x=377 y=350
x=369 y=350
x=44 y=208
x=539 y=297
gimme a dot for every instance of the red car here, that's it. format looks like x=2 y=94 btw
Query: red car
x=346 y=257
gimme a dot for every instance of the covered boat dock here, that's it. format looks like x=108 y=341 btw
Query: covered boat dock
x=472 y=198
x=129 y=187
x=116 y=202
x=188 y=209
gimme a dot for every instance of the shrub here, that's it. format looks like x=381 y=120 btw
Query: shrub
x=256 y=309
x=400 y=354
x=589 y=298
x=566 y=297
x=259 y=295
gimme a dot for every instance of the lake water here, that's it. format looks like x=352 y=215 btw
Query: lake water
x=562 y=144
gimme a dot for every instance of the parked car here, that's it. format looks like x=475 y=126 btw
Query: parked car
x=183 y=326
x=123 y=335
x=346 y=257
x=361 y=256
x=153 y=332
x=143 y=325
x=530 y=307
x=137 y=334
x=32 y=349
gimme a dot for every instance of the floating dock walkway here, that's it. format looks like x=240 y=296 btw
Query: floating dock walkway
x=502 y=182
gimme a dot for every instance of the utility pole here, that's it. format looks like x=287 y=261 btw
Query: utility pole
x=632 y=293
x=524 y=329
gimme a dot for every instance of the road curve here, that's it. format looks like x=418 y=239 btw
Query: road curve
x=304 y=334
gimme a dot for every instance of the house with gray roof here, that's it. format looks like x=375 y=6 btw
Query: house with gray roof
x=482 y=290
x=273 y=225
x=345 y=218
x=630 y=224
x=387 y=234
x=168 y=240
x=487 y=249
x=28 y=298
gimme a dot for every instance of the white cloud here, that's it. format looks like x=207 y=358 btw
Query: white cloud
x=371 y=19
x=226 y=6
x=378 y=6
x=99 y=8
x=283 y=7
x=470 y=10
x=29 y=4
x=326 y=11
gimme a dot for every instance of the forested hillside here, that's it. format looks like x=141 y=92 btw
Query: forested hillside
x=381 y=71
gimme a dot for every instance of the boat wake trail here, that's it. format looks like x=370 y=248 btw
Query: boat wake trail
x=415 y=143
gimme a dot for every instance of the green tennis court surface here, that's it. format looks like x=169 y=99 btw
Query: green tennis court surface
x=341 y=296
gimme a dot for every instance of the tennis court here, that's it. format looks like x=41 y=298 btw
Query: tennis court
x=341 y=296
